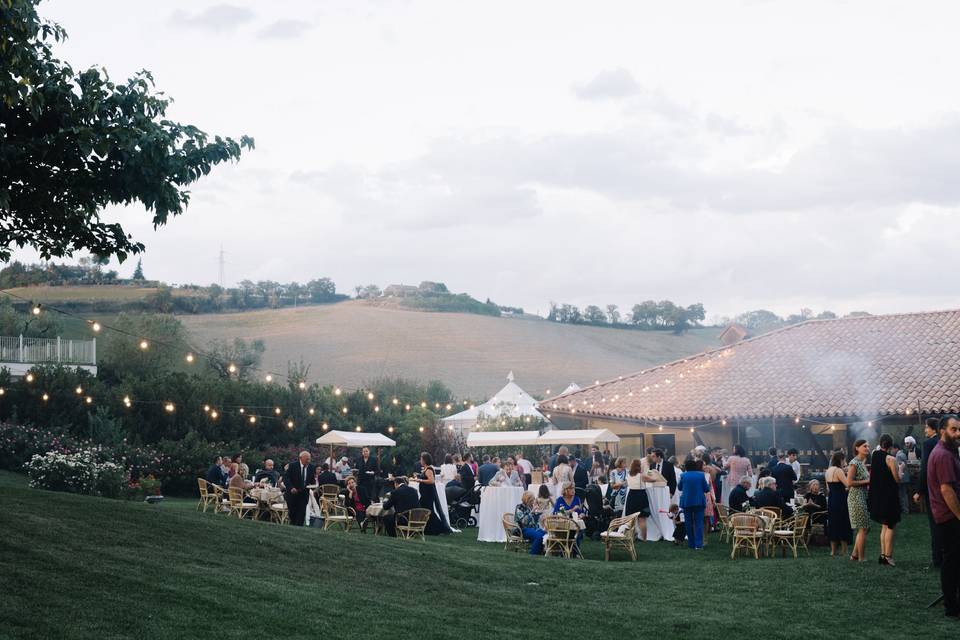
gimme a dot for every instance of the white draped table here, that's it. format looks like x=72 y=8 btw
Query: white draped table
x=494 y=502
x=659 y=524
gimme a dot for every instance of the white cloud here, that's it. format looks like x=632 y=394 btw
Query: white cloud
x=217 y=18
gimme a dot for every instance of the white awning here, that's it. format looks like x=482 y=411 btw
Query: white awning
x=578 y=436
x=498 y=438
x=355 y=439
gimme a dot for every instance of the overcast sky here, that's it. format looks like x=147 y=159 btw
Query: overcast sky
x=751 y=154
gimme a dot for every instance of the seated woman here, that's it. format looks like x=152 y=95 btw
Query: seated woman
x=815 y=504
x=507 y=476
x=529 y=522
x=569 y=503
x=239 y=480
x=543 y=503
x=356 y=498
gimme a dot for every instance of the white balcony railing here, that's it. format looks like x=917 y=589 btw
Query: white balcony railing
x=47 y=350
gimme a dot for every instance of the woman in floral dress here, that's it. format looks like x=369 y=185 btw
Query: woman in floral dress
x=858 y=478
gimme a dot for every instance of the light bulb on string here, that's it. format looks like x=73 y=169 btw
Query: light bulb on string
x=395 y=401
x=189 y=357
x=144 y=345
x=88 y=400
x=406 y=407
x=370 y=395
x=423 y=405
x=45 y=397
x=29 y=377
x=325 y=426
x=253 y=419
x=302 y=385
x=232 y=368
x=344 y=410
x=289 y=424
x=242 y=410
x=95 y=326
x=206 y=408
x=312 y=411
x=268 y=378
x=376 y=409
x=79 y=390
x=276 y=410
x=214 y=415
x=337 y=391
x=390 y=429
x=169 y=407
x=35 y=310
x=359 y=429
x=421 y=429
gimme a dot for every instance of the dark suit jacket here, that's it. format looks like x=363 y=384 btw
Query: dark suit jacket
x=366 y=471
x=403 y=498
x=486 y=472
x=215 y=475
x=670 y=475
x=580 y=477
x=271 y=475
x=467 y=479
x=293 y=478
x=769 y=498
x=327 y=477
x=738 y=498
x=928 y=446
x=785 y=476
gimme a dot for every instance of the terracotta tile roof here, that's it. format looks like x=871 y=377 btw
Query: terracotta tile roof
x=850 y=367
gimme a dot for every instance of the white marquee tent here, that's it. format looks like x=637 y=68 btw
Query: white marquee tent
x=578 y=436
x=511 y=402
x=355 y=439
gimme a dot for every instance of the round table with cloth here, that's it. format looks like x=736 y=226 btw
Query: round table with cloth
x=659 y=524
x=494 y=502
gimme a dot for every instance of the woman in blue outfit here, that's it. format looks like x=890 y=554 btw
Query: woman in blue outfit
x=529 y=522
x=693 y=500
x=569 y=502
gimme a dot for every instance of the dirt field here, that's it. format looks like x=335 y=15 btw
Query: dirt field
x=351 y=343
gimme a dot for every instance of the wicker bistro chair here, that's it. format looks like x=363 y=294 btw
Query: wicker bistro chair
x=770 y=517
x=412 y=523
x=747 y=532
x=279 y=512
x=515 y=539
x=791 y=533
x=723 y=517
x=221 y=501
x=334 y=514
x=208 y=496
x=621 y=533
x=329 y=492
x=561 y=535
x=237 y=506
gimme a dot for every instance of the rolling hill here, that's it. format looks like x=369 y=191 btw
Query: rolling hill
x=351 y=343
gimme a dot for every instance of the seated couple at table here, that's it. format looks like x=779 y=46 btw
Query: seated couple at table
x=528 y=519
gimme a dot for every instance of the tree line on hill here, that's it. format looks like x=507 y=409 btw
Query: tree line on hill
x=648 y=315
x=762 y=320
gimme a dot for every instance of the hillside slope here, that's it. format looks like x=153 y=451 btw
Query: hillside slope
x=351 y=343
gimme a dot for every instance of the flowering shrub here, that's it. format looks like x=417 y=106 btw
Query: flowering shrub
x=79 y=472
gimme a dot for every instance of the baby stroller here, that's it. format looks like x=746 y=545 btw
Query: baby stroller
x=460 y=506
x=599 y=514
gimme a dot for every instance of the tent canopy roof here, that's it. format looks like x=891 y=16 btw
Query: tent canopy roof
x=578 y=436
x=510 y=402
x=355 y=439
x=498 y=438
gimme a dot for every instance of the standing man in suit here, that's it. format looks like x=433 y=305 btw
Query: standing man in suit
x=402 y=498
x=467 y=477
x=931 y=429
x=785 y=476
x=581 y=475
x=295 y=480
x=367 y=470
x=666 y=470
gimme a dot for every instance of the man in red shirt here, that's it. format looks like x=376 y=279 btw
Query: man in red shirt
x=943 y=483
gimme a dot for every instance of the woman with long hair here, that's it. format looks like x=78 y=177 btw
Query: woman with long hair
x=858 y=478
x=430 y=499
x=618 y=484
x=637 y=500
x=884 y=497
x=838 y=516
x=738 y=466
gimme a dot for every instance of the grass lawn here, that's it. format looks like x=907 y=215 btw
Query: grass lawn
x=79 y=567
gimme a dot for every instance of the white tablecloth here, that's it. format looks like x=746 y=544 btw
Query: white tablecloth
x=494 y=502
x=659 y=524
x=442 y=493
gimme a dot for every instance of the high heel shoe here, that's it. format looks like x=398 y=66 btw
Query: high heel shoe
x=887 y=561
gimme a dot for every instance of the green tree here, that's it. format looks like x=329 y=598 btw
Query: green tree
x=138 y=272
x=593 y=313
x=15 y=323
x=123 y=355
x=74 y=142
x=243 y=356
x=613 y=314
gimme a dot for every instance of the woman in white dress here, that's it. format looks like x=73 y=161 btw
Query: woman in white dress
x=562 y=472
x=448 y=470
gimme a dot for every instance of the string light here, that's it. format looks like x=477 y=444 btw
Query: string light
x=395 y=401
x=423 y=405
x=89 y=400
x=144 y=345
x=95 y=326
x=276 y=410
x=206 y=408
x=390 y=429
x=302 y=385
x=214 y=415
x=325 y=426
x=358 y=428
x=36 y=310
x=723 y=422
x=29 y=377
x=242 y=410
x=253 y=419
x=269 y=378
x=45 y=396
x=376 y=409
x=289 y=424
x=79 y=390
x=169 y=407
x=344 y=410
x=337 y=391
x=232 y=368
x=189 y=357
x=406 y=407
x=370 y=395
x=312 y=411
x=421 y=429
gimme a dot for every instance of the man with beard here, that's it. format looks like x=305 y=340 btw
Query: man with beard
x=943 y=485
x=931 y=429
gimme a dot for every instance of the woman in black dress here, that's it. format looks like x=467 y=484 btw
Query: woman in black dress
x=884 y=498
x=429 y=499
x=838 y=516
